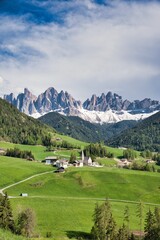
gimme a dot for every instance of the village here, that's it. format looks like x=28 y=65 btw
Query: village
x=62 y=164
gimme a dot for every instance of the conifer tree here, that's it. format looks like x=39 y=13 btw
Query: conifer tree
x=6 y=217
x=104 y=224
x=150 y=226
x=127 y=217
x=122 y=233
x=140 y=213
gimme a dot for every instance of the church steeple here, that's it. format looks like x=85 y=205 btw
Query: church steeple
x=82 y=155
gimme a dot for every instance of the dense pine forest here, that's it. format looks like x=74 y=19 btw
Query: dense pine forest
x=17 y=127
x=145 y=135
x=84 y=130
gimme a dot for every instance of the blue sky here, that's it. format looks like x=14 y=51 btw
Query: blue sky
x=82 y=46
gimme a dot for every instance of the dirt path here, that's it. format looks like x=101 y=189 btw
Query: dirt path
x=24 y=180
x=74 y=198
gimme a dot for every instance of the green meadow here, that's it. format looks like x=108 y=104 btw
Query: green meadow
x=14 y=169
x=64 y=202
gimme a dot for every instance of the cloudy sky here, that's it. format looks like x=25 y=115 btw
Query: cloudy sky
x=82 y=46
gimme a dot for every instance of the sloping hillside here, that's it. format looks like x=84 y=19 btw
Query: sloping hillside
x=17 y=127
x=84 y=130
x=73 y=126
x=145 y=135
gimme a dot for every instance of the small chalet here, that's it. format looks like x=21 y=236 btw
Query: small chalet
x=61 y=163
x=50 y=160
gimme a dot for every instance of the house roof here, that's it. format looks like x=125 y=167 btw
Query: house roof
x=51 y=158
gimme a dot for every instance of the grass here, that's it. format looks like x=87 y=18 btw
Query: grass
x=39 y=151
x=64 y=203
x=5 y=235
x=68 y=217
x=72 y=140
x=95 y=183
x=107 y=162
x=15 y=169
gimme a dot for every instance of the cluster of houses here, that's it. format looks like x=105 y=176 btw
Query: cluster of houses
x=62 y=164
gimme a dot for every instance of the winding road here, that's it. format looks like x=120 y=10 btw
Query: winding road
x=74 y=198
x=24 y=180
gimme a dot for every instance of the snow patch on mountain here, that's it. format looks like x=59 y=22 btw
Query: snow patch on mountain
x=109 y=116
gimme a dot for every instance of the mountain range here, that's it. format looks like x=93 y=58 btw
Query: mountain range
x=109 y=108
x=20 y=128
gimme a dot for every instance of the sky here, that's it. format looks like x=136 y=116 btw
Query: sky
x=83 y=47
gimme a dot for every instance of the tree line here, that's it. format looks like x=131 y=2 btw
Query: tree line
x=105 y=226
x=16 y=152
x=97 y=150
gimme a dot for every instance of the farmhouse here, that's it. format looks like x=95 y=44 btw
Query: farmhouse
x=50 y=160
x=2 y=151
x=61 y=163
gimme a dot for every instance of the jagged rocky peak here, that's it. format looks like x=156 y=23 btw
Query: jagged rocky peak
x=50 y=100
x=67 y=101
x=29 y=95
x=104 y=102
x=10 y=97
x=97 y=106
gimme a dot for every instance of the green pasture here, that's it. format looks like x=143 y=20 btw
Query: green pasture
x=107 y=162
x=6 y=235
x=90 y=182
x=15 y=169
x=69 y=218
x=72 y=140
x=39 y=151
x=64 y=203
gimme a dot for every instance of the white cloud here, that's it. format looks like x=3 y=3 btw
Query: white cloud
x=100 y=49
x=1 y=80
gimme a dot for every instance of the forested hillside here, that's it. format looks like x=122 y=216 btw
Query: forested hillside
x=17 y=127
x=84 y=130
x=145 y=135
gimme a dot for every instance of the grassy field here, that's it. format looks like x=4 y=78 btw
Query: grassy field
x=64 y=203
x=39 y=152
x=107 y=162
x=69 y=218
x=15 y=169
x=4 y=235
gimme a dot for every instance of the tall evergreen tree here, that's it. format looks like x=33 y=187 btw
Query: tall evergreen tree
x=6 y=217
x=127 y=217
x=140 y=213
x=150 y=226
x=122 y=233
x=104 y=224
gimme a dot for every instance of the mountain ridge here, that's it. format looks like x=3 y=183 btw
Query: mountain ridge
x=104 y=109
x=144 y=135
